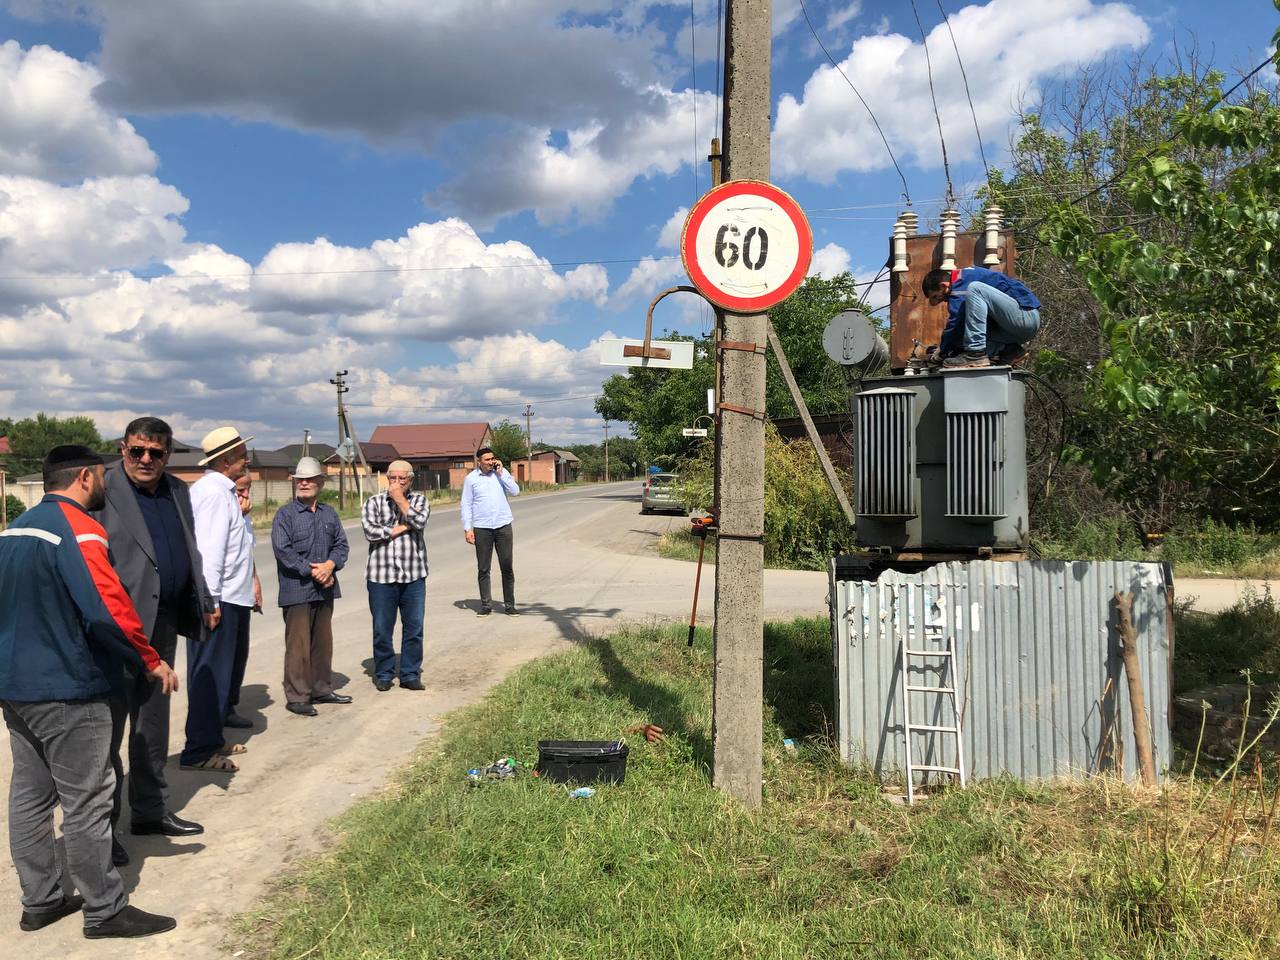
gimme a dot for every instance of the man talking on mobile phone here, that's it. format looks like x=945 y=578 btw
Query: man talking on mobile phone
x=486 y=524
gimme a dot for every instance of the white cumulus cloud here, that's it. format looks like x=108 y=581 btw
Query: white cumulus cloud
x=50 y=125
x=1008 y=47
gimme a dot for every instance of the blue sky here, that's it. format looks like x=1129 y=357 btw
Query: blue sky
x=208 y=206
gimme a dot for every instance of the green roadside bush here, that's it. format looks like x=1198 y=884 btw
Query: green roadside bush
x=803 y=524
x=13 y=506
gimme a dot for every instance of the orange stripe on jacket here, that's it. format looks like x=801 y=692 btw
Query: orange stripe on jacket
x=92 y=539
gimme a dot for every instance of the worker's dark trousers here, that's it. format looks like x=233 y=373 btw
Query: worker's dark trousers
x=145 y=708
x=486 y=540
x=210 y=664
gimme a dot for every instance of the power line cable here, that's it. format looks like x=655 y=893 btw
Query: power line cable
x=963 y=76
x=906 y=193
x=928 y=62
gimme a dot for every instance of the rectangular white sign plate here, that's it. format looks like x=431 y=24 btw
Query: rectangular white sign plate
x=681 y=354
x=694 y=431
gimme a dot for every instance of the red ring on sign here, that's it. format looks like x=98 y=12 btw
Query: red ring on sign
x=689 y=238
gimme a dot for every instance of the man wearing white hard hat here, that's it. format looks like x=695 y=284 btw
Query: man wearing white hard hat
x=226 y=551
x=310 y=547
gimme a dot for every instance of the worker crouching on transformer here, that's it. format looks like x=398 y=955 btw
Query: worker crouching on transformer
x=990 y=316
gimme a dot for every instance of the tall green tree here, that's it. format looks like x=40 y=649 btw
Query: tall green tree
x=1153 y=246
x=32 y=438
x=508 y=441
x=659 y=403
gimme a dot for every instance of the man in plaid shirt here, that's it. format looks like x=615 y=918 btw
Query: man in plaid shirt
x=394 y=524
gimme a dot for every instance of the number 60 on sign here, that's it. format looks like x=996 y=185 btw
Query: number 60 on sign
x=746 y=246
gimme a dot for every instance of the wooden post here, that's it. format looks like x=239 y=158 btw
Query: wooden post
x=828 y=469
x=1137 y=699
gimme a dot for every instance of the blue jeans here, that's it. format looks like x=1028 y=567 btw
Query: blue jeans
x=993 y=320
x=410 y=600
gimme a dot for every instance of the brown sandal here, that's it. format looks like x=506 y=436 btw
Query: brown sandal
x=233 y=750
x=215 y=764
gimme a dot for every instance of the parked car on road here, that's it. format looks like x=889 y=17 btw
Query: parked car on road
x=661 y=493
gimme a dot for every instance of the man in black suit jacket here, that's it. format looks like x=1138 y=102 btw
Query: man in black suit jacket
x=153 y=548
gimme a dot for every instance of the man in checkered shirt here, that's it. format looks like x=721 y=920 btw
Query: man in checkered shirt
x=394 y=524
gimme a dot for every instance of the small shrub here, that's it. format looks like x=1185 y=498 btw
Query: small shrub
x=803 y=524
x=1215 y=647
x=13 y=506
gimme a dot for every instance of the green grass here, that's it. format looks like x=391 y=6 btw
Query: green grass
x=1215 y=648
x=1207 y=549
x=664 y=866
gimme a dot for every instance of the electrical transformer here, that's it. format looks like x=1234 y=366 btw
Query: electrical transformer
x=940 y=464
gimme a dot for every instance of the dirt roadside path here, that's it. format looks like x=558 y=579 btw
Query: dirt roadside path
x=582 y=571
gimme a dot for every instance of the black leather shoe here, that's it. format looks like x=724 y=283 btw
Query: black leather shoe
x=38 y=921
x=237 y=722
x=382 y=685
x=512 y=612
x=119 y=855
x=130 y=922
x=484 y=612
x=302 y=709
x=332 y=698
x=414 y=684
x=170 y=825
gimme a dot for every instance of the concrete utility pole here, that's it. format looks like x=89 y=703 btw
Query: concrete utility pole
x=338 y=382
x=306 y=442
x=528 y=439
x=606 y=451
x=737 y=724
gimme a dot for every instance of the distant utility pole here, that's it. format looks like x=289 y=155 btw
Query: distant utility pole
x=606 y=451
x=339 y=382
x=306 y=442
x=737 y=723
x=528 y=438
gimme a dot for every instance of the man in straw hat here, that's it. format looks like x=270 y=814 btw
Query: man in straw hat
x=67 y=631
x=310 y=547
x=226 y=551
x=394 y=523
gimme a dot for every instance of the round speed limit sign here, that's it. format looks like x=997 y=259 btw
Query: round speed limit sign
x=746 y=246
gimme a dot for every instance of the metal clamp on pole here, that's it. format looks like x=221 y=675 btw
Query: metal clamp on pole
x=745 y=411
x=648 y=350
x=754 y=537
x=746 y=346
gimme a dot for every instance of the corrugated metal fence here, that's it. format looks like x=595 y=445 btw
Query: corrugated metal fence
x=1042 y=686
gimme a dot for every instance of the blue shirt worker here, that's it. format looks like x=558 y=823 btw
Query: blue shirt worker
x=990 y=316
x=68 y=631
x=310 y=548
x=486 y=523
x=394 y=523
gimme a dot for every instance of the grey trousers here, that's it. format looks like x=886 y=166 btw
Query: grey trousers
x=146 y=709
x=487 y=540
x=61 y=754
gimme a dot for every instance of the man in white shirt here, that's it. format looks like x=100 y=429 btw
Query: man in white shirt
x=486 y=523
x=226 y=551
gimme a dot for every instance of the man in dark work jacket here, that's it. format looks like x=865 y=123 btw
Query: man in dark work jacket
x=153 y=549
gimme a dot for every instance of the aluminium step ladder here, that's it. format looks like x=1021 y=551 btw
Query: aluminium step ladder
x=947 y=693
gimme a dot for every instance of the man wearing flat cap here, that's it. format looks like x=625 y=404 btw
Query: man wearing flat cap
x=310 y=548
x=226 y=552
x=68 y=631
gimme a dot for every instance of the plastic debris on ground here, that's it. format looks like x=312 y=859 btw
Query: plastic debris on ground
x=504 y=769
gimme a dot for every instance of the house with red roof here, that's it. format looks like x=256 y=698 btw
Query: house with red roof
x=442 y=454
